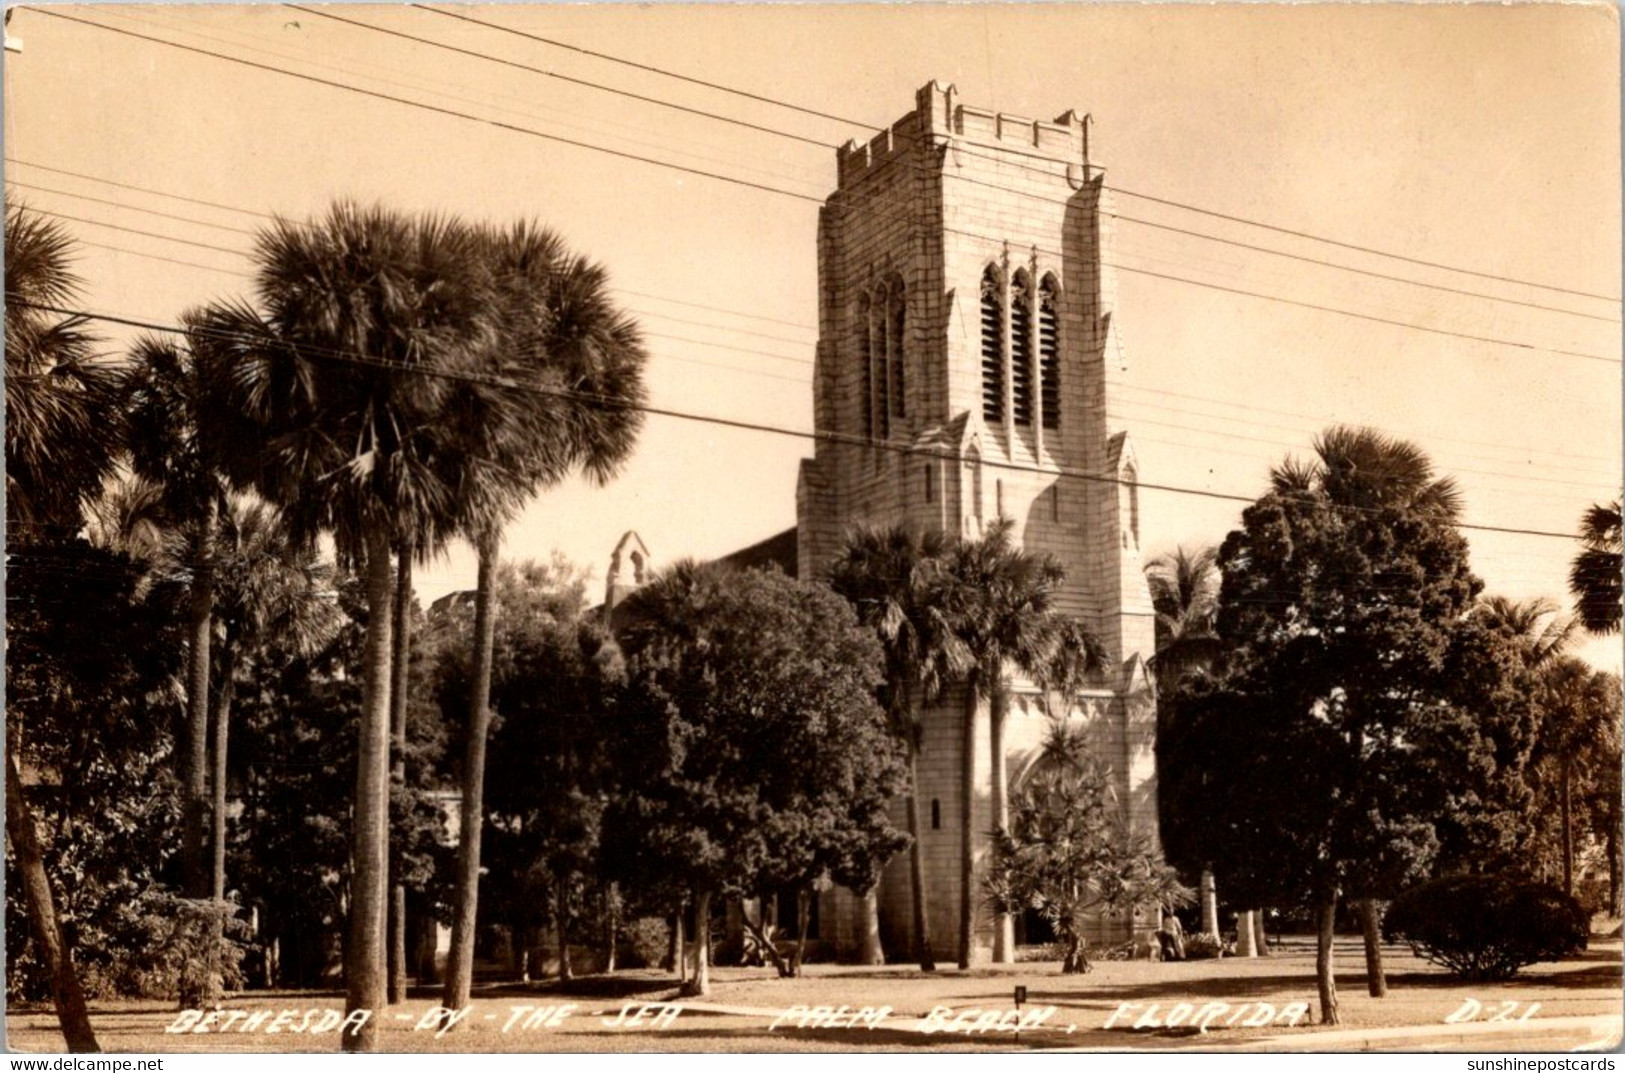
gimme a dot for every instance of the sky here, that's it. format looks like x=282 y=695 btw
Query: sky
x=1464 y=159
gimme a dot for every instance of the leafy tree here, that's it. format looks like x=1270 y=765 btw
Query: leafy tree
x=558 y=335
x=342 y=385
x=1000 y=606
x=1364 y=718
x=1068 y=852
x=88 y=670
x=749 y=746
x=1595 y=577
x=63 y=434
x=297 y=713
x=894 y=579
x=554 y=672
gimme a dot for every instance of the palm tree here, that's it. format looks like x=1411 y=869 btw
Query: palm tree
x=1185 y=596
x=894 y=578
x=1000 y=601
x=178 y=442
x=1542 y=631
x=1595 y=578
x=580 y=361
x=64 y=429
x=265 y=587
x=1577 y=709
x=341 y=383
x=63 y=433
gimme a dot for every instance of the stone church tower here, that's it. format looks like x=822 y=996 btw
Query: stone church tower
x=966 y=368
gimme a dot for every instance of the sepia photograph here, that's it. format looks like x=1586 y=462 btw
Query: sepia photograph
x=741 y=528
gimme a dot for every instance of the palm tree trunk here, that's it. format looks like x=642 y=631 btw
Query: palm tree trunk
x=460 y=965
x=804 y=897
x=612 y=925
x=1004 y=928
x=397 y=772
x=222 y=728
x=369 y=852
x=916 y=865
x=700 y=985
x=967 y=826
x=1210 y=903
x=679 y=953
x=1260 y=940
x=1246 y=938
x=1376 y=980
x=1568 y=829
x=1326 y=921
x=50 y=945
x=561 y=925
x=199 y=632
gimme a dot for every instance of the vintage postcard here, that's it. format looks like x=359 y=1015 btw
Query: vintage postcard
x=842 y=528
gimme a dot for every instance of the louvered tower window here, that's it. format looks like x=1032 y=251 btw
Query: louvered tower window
x=1021 y=348
x=1049 y=353
x=897 y=324
x=992 y=347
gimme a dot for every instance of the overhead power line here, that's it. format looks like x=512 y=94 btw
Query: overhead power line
x=505 y=383
x=1020 y=191
x=657 y=101
x=449 y=112
x=878 y=128
x=802 y=361
x=772 y=189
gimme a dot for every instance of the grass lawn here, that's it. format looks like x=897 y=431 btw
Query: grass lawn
x=737 y=1016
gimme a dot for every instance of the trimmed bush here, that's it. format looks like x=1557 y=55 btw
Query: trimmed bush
x=1487 y=927
x=646 y=941
x=1202 y=945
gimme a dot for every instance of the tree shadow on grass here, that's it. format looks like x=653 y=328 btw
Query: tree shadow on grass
x=617 y=985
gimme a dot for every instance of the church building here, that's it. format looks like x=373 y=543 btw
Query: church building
x=965 y=371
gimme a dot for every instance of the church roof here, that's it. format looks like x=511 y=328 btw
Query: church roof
x=777 y=550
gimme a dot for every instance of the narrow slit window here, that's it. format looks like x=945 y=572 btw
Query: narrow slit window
x=866 y=359
x=1021 y=349
x=936 y=814
x=897 y=310
x=992 y=347
x=877 y=342
x=1049 y=353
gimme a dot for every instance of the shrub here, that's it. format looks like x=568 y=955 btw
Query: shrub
x=1201 y=945
x=1487 y=927
x=647 y=941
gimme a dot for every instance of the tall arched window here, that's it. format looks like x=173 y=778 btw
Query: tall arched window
x=992 y=346
x=1021 y=348
x=866 y=358
x=896 y=336
x=1049 y=352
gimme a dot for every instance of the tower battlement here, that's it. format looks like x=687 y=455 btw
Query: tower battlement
x=938 y=114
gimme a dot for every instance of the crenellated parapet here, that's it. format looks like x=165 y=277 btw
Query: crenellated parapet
x=939 y=120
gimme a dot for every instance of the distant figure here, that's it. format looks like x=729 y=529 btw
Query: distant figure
x=1171 y=937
